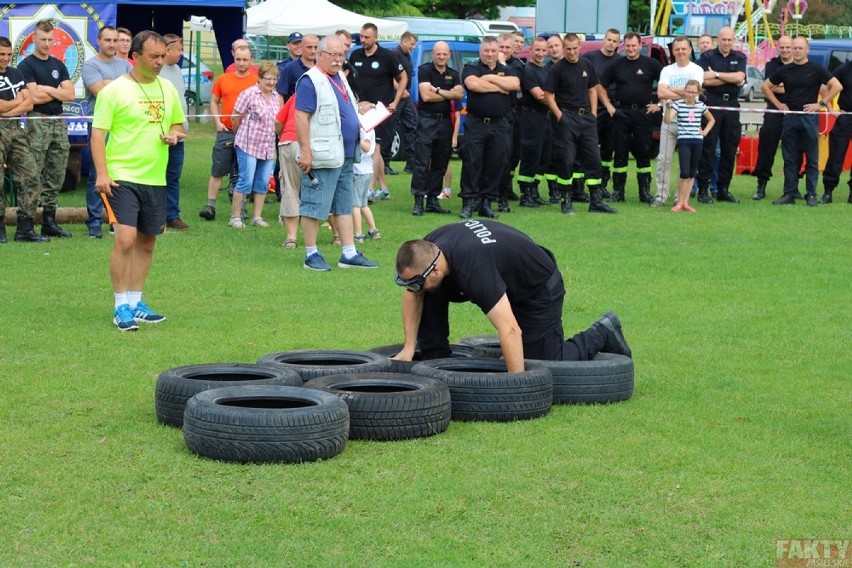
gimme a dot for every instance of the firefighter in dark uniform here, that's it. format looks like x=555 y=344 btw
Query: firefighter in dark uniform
x=838 y=139
x=438 y=85
x=570 y=93
x=555 y=53
x=537 y=135
x=515 y=282
x=601 y=59
x=490 y=87
x=770 y=130
x=632 y=78
x=508 y=47
x=724 y=72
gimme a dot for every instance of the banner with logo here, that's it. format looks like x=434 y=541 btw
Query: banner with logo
x=76 y=40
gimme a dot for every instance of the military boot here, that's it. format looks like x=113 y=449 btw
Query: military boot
x=468 y=205
x=826 y=196
x=644 y=181
x=486 y=211
x=619 y=180
x=49 y=228
x=760 y=192
x=577 y=193
x=417 y=210
x=25 y=233
x=605 y=176
x=596 y=203
x=554 y=192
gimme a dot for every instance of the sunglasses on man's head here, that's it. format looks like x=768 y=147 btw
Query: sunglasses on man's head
x=416 y=282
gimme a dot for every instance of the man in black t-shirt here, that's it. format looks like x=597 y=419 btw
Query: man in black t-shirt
x=571 y=96
x=601 y=59
x=405 y=116
x=838 y=139
x=803 y=82
x=49 y=85
x=438 y=86
x=514 y=281
x=724 y=72
x=632 y=79
x=15 y=154
x=377 y=68
x=536 y=136
x=770 y=130
x=490 y=87
x=508 y=47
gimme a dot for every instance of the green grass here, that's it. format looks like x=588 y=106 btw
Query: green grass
x=738 y=432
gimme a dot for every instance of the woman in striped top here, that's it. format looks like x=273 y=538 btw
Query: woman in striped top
x=690 y=138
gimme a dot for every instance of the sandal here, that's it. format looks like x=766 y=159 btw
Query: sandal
x=289 y=244
x=336 y=241
x=374 y=234
x=360 y=238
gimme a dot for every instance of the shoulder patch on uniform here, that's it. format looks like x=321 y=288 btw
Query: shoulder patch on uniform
x=639 y=72
x=585 y=74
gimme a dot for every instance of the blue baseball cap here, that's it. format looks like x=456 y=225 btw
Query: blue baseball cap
x=295 y=37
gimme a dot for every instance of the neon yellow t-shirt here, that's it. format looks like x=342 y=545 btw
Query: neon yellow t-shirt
x=136 y=115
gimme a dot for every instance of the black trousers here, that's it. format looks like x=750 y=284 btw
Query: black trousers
x=540 y=320
x=536 y=143
x=606 y=136
x=403 y=119
x=767 y=145
x=432 y=152
x=727 y=132
x=514 y=153
x=838 y=143
x=577 y=140
x=631 y=131
x=484 y=152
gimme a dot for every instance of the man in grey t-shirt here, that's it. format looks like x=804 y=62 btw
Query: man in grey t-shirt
x=97 y=73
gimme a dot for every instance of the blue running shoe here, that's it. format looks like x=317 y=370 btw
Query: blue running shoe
x=357 y=261
x=317 y=262
x=123 y=318
x=144 y=314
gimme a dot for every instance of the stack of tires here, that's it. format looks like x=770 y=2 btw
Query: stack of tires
x=299 y=406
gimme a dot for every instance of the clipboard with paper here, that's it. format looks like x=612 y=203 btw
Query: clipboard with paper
x=374 y=117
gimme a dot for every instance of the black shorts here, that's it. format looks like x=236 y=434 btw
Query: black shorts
x=384 y=134
x=141 y=206
x=224 y=155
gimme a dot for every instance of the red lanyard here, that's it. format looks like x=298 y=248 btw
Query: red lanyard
x=340 y=89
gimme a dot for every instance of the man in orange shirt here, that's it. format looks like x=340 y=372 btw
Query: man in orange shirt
x=225 y=91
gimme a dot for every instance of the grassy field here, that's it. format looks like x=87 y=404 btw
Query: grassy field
x=738 y=433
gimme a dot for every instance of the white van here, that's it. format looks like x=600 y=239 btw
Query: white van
x=496 y=27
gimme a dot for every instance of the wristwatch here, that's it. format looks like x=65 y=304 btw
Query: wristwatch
x=717 y=74
x=822 y=103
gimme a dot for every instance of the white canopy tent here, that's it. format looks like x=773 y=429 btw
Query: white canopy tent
x=283 y=17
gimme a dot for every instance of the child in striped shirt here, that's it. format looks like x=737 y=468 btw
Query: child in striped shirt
x=690 y=138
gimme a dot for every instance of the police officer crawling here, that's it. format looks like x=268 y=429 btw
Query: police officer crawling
x=513 y=280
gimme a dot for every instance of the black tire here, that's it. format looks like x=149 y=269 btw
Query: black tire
x=390 y=406
x=258 y=424
x=481 y=389
x=489 y=344
x=458 y=352
x=313 y=363
x=176 y=386
x=606 y=378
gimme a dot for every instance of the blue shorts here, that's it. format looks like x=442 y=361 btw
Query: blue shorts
x=332 y=195
x=254 y=173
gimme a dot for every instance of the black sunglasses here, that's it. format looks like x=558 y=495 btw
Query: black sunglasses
x=415 y=283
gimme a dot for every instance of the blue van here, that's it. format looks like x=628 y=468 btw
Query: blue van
x=830 y=53
x=461 y=53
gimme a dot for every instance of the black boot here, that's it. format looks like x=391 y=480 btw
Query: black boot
x=433 y=206
x=535 y=195
x=704 y=195
x=468 y=205
x=596 y=203
x=722 y=194
x=554 y=192
x=25 y=234
x=760 y=192
x=2 y=231
x=567 y=208
x=527 y=196
x=502 y=206
x=786 y=199
x=619 y=180
x=417 y=210
x=608 y=329
x=577 y=193
x=644 y=181
x=49 y=228
x=605 y=175
x=826 y=196
x=485 y=208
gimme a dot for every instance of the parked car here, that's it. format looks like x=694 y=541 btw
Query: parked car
x=205 y=75
x=751 y=88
